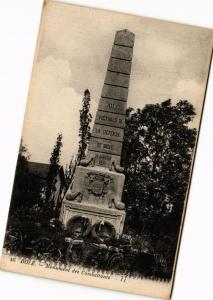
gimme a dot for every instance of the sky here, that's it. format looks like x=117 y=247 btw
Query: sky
x=170 y=60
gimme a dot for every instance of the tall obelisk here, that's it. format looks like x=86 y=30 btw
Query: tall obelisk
x=107 y=135
x=96 y=193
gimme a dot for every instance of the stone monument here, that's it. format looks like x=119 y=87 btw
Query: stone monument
x=95 y=195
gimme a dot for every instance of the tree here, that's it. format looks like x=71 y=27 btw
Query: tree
x=156 y=156
x=56 y=152
x=26 y=189
x=84 y=130
x=21 y=180
x=69 y=171
x=54 y=164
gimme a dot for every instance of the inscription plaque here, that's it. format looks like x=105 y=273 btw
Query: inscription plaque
x=107 y=118
x=108 y=132
x=105 y=146
x=105 y=160
x=113 y=106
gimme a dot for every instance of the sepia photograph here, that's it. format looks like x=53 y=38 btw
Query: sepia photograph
x=107 y=149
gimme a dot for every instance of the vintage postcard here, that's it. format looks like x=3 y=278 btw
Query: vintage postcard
x=107 y=149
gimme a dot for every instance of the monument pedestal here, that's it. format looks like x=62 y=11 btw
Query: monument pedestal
x=95 y=214
x=96 y=196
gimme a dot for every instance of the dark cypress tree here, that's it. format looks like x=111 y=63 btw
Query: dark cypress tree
x=84 y=131
x=69 y=171
x=56 y=153
x=54 y=164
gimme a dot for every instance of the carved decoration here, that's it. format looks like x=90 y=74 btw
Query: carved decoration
x=118 y=204
x=73 y=195
x=103 y=231
x=116 y=168
x=86 y=162
x=98 y=184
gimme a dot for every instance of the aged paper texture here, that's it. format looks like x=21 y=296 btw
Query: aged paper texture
x=107 y=149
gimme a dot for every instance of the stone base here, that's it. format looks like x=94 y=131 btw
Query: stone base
x=94 y=214
x=96 y=186
x=96 y=196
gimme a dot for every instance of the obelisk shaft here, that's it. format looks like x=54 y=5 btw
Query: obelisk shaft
x=107 y=135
